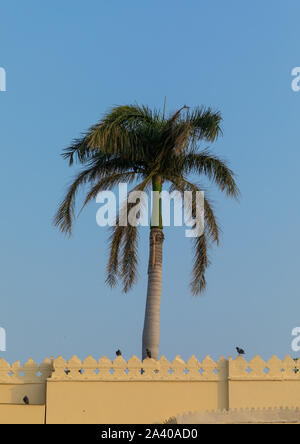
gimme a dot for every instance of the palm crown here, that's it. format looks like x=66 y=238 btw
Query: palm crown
x=136 y=145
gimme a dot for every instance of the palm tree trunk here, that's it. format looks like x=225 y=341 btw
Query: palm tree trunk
x=151 y=331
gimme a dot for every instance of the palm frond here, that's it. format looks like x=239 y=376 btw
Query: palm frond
x=211 y=233
x=115 y=133
x=107 y=170
x=130 y=257
x=124 y=246
x=205 y=123
x=214 y=168
x=65 y=214
x=211 y=225
x=109 y=182
x=201 y=262
x=115 y=244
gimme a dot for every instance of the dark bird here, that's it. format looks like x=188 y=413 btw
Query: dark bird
x=148 y=352
x=118 y=353
x=26 y=400
x=240 y=351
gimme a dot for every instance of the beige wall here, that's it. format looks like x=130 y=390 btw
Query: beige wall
x=151 y=391
x=248 y=394
x=22 y=414
x=124 y=402
x=261 y=384
x=14 y=393
x=17 y=381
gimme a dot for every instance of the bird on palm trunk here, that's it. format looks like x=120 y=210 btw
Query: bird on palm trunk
x=138 y=146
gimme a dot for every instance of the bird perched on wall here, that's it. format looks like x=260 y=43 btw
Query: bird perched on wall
x=148 y=352
x=118 y=353
x=240 y=351
x=26 y=400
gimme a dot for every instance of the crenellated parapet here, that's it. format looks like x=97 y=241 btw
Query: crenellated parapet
x=258 y=369
x=150 y=369
x=135 y=369
x=30 y=372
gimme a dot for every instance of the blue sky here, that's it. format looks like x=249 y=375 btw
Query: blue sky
x=67 y=63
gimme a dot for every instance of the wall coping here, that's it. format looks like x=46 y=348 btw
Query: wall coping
x=271 y=415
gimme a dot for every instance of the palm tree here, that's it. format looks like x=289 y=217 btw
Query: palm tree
x=136 y=145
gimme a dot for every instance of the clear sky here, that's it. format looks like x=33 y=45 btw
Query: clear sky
x=67 y=63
